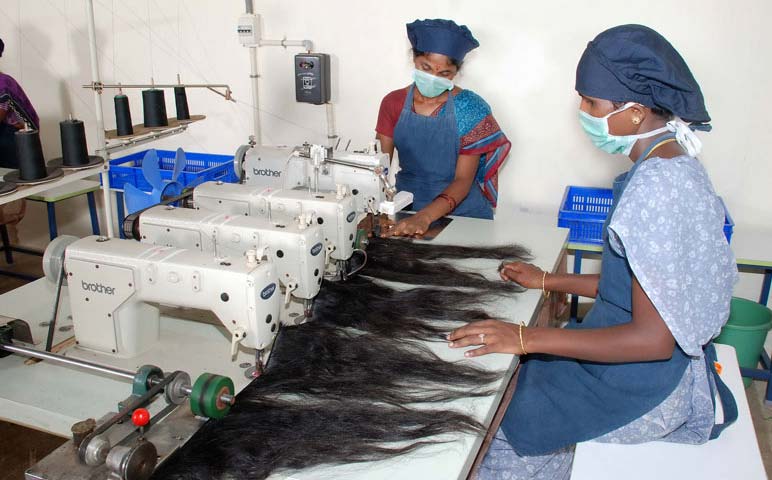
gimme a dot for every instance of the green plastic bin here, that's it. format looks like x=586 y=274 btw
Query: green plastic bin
x=746 y=331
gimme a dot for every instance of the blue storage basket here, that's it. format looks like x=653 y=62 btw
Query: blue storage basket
x=584 y=210
x=199 y=168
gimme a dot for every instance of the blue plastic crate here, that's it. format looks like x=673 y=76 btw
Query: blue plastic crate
x=199 y=168
x=584 y=210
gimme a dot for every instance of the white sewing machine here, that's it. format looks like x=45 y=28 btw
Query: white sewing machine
x=317 y=168
x=295 y=248
x=334 y=212
x=115 y=286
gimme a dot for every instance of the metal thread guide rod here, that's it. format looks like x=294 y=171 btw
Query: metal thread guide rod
x=100 y=121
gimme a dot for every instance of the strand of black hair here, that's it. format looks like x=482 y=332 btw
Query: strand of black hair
x=259 y=438
x=417 y=313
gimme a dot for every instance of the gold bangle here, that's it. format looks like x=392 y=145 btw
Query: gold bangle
x=544 y=290
x=522 y=344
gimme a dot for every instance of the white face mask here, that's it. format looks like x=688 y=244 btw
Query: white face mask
x=430 y=85
x=598 y=131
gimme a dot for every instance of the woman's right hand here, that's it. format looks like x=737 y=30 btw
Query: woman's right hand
x=412 y=226
x=525 y=274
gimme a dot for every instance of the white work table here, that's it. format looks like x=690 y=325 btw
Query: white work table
x=51 y=397
x=733 y=455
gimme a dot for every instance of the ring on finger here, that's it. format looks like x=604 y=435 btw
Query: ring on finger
x=482 y=338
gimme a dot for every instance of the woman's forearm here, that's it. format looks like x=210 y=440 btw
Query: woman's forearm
x=457 y=191
x=585 y=285
x=622 y=343
x=439 y=207
x=644 y=338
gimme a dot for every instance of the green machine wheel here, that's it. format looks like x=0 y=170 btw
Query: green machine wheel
x=205 y=396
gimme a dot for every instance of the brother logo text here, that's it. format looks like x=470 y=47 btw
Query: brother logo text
x=266 y=172
x=97 y=288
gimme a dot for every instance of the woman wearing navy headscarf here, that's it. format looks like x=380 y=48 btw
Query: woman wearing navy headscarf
x=639 y=367
x=16 y=111
x=450 y=146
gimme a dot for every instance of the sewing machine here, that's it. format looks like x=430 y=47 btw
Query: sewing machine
x=318 y=168
x=295 y=248
x=114 y=286
x=334 y=212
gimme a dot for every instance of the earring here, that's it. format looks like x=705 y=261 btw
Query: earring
x=636 y=120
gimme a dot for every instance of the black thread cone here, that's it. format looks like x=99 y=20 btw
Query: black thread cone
x=181 y=101
x=154 y=108
x=29 y=151
x=123 y=116
x=74 y=148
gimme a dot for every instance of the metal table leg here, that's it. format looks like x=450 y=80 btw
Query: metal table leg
x=121 y=211
x=52 y=233
x=93 y=213
x=764 y=297
x=575 y=298
x=6 y=244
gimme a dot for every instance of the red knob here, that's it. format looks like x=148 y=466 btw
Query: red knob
x=140 y=417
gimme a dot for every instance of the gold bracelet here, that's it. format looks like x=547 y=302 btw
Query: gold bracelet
x=544 y=290
x=522 y=344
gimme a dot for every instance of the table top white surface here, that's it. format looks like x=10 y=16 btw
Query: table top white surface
x=68 y=177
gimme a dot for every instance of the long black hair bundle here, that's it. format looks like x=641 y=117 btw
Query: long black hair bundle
x=419 y=263
x=354 y=383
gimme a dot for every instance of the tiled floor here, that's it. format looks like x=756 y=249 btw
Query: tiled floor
x=21 y=447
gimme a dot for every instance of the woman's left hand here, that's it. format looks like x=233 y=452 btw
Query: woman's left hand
x=495 y=336
x=414 y=225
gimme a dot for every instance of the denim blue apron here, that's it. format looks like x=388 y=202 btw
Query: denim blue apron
x=428 y=151
x=559 y=401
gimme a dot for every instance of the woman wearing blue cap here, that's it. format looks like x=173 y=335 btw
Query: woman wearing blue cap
x=639 y=367
x=450 y=146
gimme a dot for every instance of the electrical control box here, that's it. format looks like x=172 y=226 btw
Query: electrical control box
x=248 y=29
x=312 y=78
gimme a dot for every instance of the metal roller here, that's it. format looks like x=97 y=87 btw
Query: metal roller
x=53 y=257
x=132 y=462
x=238 y=161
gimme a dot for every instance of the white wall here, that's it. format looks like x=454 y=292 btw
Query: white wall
x=524 y=69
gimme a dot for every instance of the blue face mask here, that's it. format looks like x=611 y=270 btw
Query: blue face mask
x=598 y=131
x=430 y=85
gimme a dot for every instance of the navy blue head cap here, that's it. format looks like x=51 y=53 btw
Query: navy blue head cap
x=633 y=63
x=441 y=36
